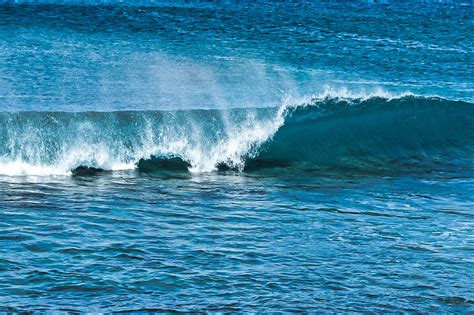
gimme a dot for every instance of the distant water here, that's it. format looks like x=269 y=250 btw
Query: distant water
x=189 y=156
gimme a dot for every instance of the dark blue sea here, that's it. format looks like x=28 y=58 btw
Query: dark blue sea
x=236 y=156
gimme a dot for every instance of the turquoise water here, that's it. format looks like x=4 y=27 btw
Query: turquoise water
x=252 y=157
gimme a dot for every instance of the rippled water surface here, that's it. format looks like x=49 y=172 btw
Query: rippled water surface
x=252 y=157
x=236 y=242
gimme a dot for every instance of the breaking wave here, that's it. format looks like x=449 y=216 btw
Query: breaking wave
x=327 y=131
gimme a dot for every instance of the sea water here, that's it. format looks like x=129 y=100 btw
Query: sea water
x=236 y=156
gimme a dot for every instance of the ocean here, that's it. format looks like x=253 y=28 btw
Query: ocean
x=236 y=156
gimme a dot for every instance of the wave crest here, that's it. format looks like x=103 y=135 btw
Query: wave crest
x=328 y=130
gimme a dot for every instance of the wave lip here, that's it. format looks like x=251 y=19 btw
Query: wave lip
x=325 y=131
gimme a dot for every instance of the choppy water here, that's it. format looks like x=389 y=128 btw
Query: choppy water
x=184 y=156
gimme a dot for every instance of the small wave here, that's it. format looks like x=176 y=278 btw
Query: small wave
x=337 y=128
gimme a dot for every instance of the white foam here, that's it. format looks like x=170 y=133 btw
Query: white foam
x=19 y=168
x=241 y=141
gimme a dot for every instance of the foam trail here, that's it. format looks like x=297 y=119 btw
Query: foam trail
x=39 y=143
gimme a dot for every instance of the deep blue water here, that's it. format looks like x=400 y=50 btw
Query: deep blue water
x=241 y=157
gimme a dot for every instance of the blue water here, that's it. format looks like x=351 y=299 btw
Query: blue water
x=237 y=156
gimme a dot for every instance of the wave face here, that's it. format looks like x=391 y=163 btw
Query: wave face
x=324 y=132
x=373 y=134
